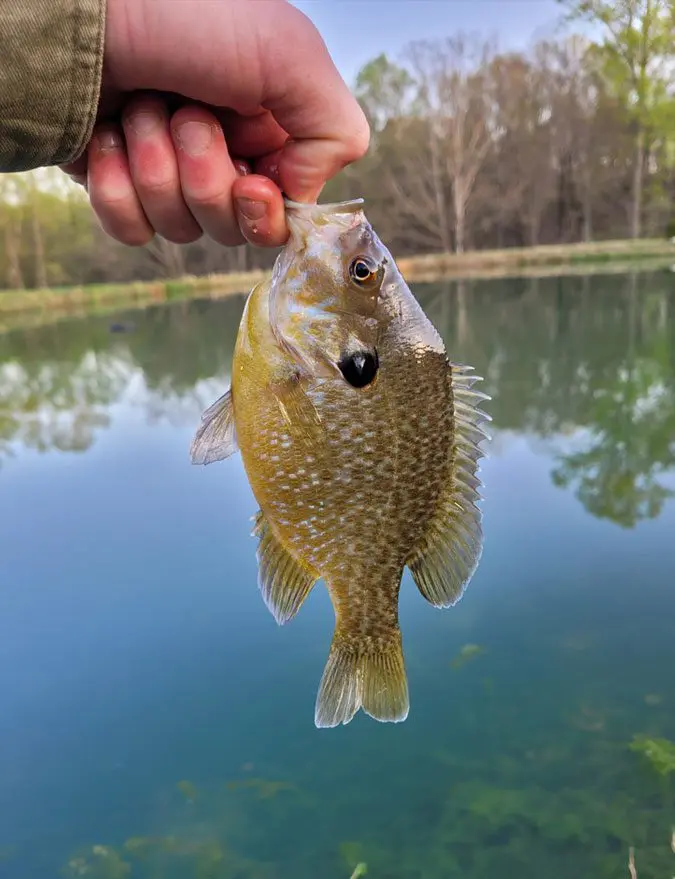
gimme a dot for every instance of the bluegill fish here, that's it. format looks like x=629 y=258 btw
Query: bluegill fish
x=361 y=443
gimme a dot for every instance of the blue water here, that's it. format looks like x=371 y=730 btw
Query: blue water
x=155 y=721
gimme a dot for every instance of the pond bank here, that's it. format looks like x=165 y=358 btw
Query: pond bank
x=36 y=306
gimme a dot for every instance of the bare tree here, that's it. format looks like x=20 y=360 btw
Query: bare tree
x=454 y=102
x=168 y=255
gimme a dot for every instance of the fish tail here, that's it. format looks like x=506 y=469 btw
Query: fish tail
x=371 y=677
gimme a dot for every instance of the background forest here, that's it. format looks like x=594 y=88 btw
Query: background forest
x=472 y=148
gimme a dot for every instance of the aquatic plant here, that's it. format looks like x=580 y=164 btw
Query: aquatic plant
x=466 y=653
x=659 y=752
x=265 y=790
x=100 y=862
x=352 y=852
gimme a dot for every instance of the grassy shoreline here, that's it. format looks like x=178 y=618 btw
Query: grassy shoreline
x=604 y=256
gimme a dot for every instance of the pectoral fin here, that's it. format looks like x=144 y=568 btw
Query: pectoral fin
x=215 y=439
x=284 y=581
x=448 y=554
x=299 y=410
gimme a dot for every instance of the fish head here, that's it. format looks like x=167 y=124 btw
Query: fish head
x=330 y=286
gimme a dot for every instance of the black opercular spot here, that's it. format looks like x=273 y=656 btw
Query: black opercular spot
x=359 y=368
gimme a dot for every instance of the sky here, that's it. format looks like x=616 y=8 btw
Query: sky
x=357 y=30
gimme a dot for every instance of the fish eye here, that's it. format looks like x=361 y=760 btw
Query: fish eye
x=359 y=368
x=363 y=271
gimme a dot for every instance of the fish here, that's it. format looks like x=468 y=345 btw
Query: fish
x=362 y=443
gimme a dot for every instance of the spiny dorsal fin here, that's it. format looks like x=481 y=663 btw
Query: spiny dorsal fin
x=215 y=439
x=449 y=552
x=283 y=581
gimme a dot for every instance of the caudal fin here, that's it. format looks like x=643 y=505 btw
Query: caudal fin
x=351 y=680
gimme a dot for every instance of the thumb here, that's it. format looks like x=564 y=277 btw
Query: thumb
x=244 y=55
x=309 y=99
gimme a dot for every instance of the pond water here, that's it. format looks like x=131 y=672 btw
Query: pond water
x=155 y=721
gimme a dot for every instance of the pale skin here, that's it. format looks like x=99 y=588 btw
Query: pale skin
x=209 y=111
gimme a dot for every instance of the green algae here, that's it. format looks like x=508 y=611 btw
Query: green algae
x=99 y=862
x=659 y=752
x=466 y=653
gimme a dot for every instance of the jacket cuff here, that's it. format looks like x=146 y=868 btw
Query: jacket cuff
x=51 y=63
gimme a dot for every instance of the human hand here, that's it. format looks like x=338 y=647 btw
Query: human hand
x=208 y=111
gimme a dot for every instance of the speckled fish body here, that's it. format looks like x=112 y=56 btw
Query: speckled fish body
x=361 y=442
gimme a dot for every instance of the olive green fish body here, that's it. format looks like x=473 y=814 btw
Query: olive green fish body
x=360 y=443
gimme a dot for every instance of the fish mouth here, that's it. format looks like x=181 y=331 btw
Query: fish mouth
x=337 y=207
x=312 y=219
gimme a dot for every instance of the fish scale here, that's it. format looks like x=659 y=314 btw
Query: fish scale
x=361 y=442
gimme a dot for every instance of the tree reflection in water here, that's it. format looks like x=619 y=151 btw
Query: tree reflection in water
x=585 y=364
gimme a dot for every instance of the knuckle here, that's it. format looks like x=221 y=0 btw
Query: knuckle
x=211 y=200
x=357 y=140
x=109 y=202
x=155 y=185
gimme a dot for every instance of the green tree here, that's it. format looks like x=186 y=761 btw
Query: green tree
x=384 y=90
x=638 y=51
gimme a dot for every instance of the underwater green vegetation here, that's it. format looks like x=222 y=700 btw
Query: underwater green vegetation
x=468 y=831
x=529 y=808
x=466 y=653
x=659 y=752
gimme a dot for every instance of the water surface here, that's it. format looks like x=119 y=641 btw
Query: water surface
x=154 y=720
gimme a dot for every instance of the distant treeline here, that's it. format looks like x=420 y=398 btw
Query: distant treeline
x=573 y=140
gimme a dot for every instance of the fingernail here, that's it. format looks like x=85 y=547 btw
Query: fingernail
x=144 y=122
x=108 y=139
x=251 y=209
x=195 y=137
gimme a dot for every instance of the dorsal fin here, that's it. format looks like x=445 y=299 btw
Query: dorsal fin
x=447 y=555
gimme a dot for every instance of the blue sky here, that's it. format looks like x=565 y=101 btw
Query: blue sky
x=357 y=30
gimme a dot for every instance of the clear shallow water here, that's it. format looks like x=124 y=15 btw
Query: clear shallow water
x=150 y=706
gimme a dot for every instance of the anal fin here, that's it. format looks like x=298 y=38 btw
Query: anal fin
x=215 y=439
x=284 y=581
x=447 y=556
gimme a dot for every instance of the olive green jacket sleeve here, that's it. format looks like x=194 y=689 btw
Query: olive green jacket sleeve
x=51 y=60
